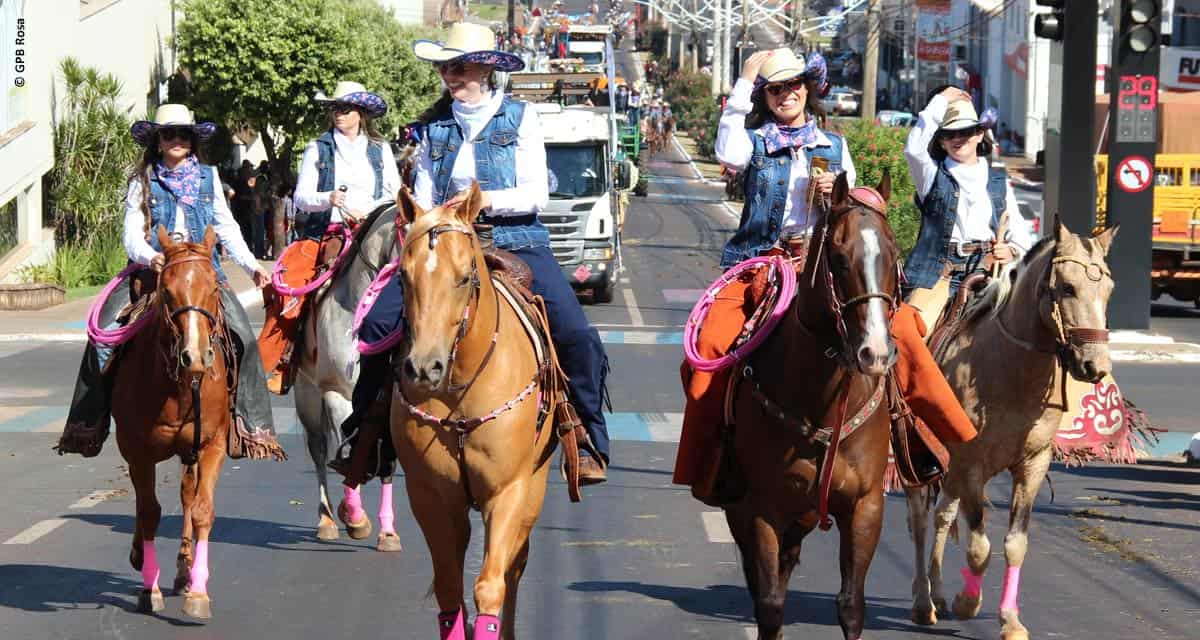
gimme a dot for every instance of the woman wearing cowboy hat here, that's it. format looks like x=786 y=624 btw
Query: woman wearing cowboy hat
x=173 y=189
x=467 y=124
x=969 y=214
x=344 y=174
x=771 y=133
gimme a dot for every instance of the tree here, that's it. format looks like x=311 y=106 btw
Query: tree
x=258 y=63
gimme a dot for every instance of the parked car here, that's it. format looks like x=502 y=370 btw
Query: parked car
x=840 y=103
x=890 y=118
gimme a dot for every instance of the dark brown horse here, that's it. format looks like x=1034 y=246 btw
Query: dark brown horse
x=821 y=370
x=172 y=397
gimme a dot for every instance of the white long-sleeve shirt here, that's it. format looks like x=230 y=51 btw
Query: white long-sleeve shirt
x=734 y=148
x=974 y=215
x=351 y=167
x=532 y=191
x=228 y=231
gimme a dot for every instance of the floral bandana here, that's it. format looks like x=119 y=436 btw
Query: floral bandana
x=183 y=181
x=778 y=137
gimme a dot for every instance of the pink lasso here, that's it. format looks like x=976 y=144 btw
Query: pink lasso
x=113 y=337
x=364 y=306
x=277 y=277
x=700 y=312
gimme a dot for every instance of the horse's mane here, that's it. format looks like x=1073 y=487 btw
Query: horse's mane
x=996 y=295
x=364 y=231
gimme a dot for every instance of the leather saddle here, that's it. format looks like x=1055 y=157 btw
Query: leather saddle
x=920 y=458
x=952 y=315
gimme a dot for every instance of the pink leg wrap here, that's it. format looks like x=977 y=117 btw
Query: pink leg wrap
x=354 y=504
x=149 y=566
x=487 y=627
x=1012 y=582
x=198 y=577
x=972 y=584
x=451 y=625
x=387 y=520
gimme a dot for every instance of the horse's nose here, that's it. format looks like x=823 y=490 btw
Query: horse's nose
x=431 y=374
x=209 y=357
x=1091 y=372
x=185 y=359
x=871 y=361
x=410 y=369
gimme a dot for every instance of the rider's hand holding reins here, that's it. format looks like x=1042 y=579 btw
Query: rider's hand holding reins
x=261 y=278
x=157 y=262
x=337 y=199
x=825 y=181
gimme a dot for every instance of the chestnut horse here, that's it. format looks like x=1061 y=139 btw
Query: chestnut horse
x=172 y=397
x=467 y=423
x=820 y=370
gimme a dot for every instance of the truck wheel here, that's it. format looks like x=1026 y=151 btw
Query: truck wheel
x=603 y=293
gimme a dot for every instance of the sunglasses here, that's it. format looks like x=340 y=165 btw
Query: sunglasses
x=962 y=133
x=452 y=68
x=776 y=88
x=341 y=109
x=175 y=133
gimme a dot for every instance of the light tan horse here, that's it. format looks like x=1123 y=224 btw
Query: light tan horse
x=1008 y=367
x=466 y=419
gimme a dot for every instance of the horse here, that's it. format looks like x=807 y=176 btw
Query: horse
x=172 y=398
x=328 y=366
x=828 y=354
x=469 y=418
x=1046 y=319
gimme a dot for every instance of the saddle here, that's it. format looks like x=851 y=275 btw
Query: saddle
x=951 y=318
x=919 y=457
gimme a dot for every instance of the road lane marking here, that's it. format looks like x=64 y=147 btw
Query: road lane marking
x=38 y=530
x=715 y=526
x=682 y=296
x=94 y=498
x=635 y=314
x=636 y=327
x=642 y=337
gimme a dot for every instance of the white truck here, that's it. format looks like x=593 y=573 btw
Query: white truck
x=587 y=43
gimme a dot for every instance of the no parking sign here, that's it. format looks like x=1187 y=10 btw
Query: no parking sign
x=1134 y=174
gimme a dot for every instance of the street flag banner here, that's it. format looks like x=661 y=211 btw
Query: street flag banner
x=933 y=26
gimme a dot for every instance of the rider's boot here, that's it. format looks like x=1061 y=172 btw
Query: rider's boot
x=252 y=433
x=355 y=463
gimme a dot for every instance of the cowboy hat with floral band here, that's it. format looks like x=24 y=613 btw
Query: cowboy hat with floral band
x=784 y=65
x=170 y=116
x=466 y=42
x=355 y=95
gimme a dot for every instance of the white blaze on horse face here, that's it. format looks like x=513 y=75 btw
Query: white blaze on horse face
x=192 y=331
x=877 y=331
x=431 y=261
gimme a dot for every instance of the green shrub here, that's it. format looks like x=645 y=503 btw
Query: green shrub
x=875 y=148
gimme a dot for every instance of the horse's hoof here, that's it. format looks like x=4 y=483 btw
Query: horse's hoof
x=150 y=601
x=939 y=605
x=182 y=585
x=135 y=558
x=356 y=530
x=965 y=607
x=327 y=530
x=923 y=616
x=198 y=605
x=1011 y=627
x=388 y=542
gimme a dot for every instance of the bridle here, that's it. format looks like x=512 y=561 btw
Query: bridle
x=1065 y=338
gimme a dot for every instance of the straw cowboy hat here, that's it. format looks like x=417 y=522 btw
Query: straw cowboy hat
x=468 y=42
x=170 y=115
x=354 y=94
x=785 y=65
x=960 y=115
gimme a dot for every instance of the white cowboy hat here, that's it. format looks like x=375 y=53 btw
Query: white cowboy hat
x=783 y=65
x=354 y=94
x=170 y=115
x=960 y=115
x=468 y=42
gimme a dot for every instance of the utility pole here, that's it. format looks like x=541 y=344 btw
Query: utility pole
x=727 y=47
x=871 y=61
x=512 y=24
x=717 y=54
x=798 y=11
x=916 y=59
x=695 y=38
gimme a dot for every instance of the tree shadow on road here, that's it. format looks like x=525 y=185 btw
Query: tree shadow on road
x=732 y=604
x=241 y=531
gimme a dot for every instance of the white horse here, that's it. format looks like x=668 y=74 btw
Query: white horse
x=326 y=375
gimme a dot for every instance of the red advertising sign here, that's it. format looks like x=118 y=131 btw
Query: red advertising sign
x=933 y=27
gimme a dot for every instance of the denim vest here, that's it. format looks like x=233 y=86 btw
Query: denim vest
x=495 y=168
x=197 y=217
x=939 y=211
x=318 y=222
x=766 y=182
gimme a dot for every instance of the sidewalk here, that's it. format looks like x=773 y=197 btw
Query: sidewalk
x=66 y=322
x=1024 y=173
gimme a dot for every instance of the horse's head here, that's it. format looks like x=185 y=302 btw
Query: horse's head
x=441 y=264
x=1074 y=301
x=187 y=291
x=862 y=274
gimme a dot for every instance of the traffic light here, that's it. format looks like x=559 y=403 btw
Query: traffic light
x=1050 y=25
x=1140 y=25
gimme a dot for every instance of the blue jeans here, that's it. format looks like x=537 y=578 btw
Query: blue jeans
x=580 y=351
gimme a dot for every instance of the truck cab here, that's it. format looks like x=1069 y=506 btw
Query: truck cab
x=587 y=43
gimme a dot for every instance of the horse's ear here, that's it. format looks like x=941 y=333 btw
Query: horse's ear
x=1105 y=238
x=164 y=238
x=210 y=239
x=841 y=190
x=407 y=208
x=468 y=210
x=885 y=185
x=1060 y=231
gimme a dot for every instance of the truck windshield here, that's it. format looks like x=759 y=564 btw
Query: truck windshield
x=576 y=171
x=595 y=57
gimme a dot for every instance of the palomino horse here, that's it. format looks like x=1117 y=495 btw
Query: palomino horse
x=828 y=353
x=1046 y=320
x=329 y=365
x=171 y=397
x=466 y=418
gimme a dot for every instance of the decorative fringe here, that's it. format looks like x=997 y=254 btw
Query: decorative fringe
x=82 y=439
x=1139 y=436
x=891 y=477
x=262 y=445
